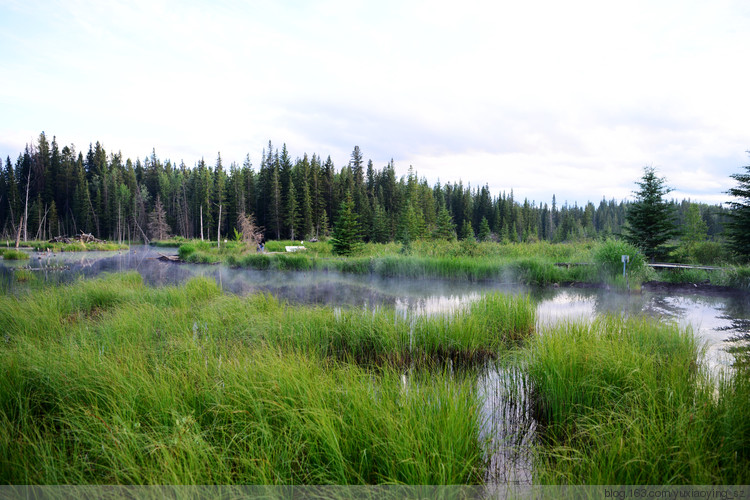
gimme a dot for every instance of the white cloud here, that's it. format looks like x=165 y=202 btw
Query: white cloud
x=541 y=96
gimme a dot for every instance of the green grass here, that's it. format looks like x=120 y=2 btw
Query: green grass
x=15 y=255
x=528 y=263
x=110 y=381
x=533 y=270
x=627 y=402
x=78 y=246
x=174 y=241
x=732 y=276
x=186 y=415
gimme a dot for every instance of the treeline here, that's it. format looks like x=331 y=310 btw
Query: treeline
x=50 y=191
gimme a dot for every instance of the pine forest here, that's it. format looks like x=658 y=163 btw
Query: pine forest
x=49 y=191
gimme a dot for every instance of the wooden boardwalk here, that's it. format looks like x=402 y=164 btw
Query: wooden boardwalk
x=655 y=265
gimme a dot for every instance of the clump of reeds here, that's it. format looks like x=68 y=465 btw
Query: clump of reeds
x=15 y=255
x=628 y=402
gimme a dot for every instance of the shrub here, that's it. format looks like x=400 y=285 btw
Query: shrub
x=608 y=257
x=709 y=253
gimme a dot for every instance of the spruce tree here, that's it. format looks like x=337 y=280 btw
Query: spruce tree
x=650 y=220
x=445 y=229
x=380 y=226
x=52 y=220
x=323 y=227
x=81 y=199
x=346 y=232
x=410 y=224
x=219 y=197
x=738 y=226
x=513 y=233
x=484 y=230
x=467 y=232
x=504 y=234
x=291 y=211
x=274 y=218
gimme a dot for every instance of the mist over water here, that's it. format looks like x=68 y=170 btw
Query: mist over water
x=720 y=321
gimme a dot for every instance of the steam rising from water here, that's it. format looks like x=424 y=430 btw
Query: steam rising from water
x=714 y=319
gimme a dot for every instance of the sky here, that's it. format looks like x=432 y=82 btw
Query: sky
x=543 y=97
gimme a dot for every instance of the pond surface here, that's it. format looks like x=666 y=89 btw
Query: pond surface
x=720 y=321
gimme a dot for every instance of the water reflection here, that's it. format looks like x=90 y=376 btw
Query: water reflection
x=509 y=425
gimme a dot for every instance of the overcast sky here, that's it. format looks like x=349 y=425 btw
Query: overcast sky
x=566 y=97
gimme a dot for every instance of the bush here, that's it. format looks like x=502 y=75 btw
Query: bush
x=608 y=257
x=709 y=253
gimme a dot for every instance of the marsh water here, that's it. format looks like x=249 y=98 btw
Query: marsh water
x=720 y=321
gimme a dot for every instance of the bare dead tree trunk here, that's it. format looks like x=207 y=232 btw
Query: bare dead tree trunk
x=145 y=238
x=218 y=231
x=201 y=222
x=12 y=219
x=41 y=232
x=18 y=234
x=26 y=209
x=188 y=232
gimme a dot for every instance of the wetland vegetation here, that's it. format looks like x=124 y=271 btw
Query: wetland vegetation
x=540 y=263
x=112 y=381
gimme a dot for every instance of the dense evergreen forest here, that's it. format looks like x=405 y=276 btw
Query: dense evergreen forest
x=49 y=191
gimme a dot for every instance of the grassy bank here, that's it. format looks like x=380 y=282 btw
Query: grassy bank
x=539 y=263
x=729 y=276
x=42 y=246
x=485 y=327
x=79 y=246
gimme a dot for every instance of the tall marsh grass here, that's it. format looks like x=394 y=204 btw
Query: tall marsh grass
x=15 y=255
x=110 y=381
x=182 y=415
x=628 y=402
